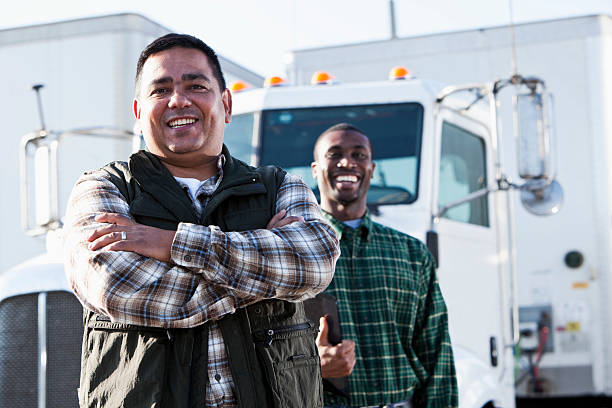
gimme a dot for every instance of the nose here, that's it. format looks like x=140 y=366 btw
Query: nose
x=179 y=100
x=346 y=162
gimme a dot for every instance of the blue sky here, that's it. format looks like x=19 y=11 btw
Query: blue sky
x=257 y=33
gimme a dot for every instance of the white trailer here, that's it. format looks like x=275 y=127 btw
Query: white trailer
x=564 y=262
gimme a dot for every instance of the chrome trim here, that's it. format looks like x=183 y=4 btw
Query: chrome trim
x=42 y=350
x=466 y=199
x=52 y=140
x=256 y=139
x=33 y=137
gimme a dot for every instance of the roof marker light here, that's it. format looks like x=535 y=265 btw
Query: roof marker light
x=321 y=78
x=273 y=81
x=239 y=86
x=399 y=72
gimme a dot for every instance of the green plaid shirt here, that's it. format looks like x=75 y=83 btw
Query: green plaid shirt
x=391 y=306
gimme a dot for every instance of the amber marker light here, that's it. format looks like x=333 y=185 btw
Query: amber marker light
x=399 y=72
x=273 y=81
x=239 y=86
x=321 y=78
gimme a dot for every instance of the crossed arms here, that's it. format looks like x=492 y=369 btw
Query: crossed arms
x=206 y=274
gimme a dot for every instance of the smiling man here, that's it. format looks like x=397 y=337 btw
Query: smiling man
x=396 y=351
x=190 y=264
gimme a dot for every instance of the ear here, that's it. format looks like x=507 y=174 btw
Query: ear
x=313 y=167
x=136 y=109
x=373 y=167
x=227 y=104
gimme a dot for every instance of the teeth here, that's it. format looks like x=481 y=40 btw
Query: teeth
x=180 y=122
x=347 y=178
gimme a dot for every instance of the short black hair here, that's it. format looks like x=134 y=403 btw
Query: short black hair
x=180 y=40
x=344 y=126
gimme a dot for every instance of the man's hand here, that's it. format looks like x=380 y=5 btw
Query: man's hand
x=279 y=220
x=144 y=240
x=338 y=360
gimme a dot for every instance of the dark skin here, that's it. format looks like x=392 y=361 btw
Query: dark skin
x=336 y=361
x=343 y=168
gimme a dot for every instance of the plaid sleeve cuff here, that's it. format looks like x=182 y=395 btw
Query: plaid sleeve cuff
x=191 y=248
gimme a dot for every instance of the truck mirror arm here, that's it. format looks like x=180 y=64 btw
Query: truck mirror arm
x=50 y=140
x=466 y=199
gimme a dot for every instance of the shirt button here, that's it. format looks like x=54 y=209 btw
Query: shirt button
x=217 y=377
x=187 y=258
x=258 y=310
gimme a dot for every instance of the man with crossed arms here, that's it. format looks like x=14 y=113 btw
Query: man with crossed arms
x=190 y=264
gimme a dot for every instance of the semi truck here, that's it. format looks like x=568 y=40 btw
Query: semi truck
x=449 y=172
x=563 y=263
x=439 y=177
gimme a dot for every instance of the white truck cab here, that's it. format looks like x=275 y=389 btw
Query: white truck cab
x=437 y=167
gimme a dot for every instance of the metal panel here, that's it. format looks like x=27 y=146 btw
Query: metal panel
x=18 y=351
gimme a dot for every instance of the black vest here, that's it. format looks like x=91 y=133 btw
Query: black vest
x=270 y=345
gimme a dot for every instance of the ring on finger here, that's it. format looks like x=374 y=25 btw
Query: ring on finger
x=123 y=235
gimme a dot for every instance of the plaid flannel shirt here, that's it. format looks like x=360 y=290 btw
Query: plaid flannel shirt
x=390 y=304
x=211 y=272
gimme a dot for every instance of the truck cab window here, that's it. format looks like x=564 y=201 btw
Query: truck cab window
x=462 y=171
x=239 y=135
x=394 y=130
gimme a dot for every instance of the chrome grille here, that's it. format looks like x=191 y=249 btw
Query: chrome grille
x=64 y=337
x=19 y=351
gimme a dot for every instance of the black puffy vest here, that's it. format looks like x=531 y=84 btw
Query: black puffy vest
x=270 y=344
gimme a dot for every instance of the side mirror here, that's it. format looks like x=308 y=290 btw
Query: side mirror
x=541 y=194
x=532 y=121
x=540 y=197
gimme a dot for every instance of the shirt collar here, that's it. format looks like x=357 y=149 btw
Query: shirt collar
x=207 y=186
x=339 y=226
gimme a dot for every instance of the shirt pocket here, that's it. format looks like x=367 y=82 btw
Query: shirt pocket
x=291 y=361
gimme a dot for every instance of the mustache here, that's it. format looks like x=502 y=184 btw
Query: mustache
x=182 y=112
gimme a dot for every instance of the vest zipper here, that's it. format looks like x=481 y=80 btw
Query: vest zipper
x=271 y=334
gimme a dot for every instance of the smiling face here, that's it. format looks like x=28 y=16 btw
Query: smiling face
x=180 y=108
x=343 y=168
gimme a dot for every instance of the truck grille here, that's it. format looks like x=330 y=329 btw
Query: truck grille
x=64 y=338
x=19 y=350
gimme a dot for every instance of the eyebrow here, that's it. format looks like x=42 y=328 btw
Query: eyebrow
x=338 y=147
x=194 y=76
x=184 y=77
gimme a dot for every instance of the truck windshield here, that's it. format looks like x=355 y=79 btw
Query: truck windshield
x=288 y=137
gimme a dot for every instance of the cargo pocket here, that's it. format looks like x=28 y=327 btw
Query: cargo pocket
x=125 y=365
x=291 y=360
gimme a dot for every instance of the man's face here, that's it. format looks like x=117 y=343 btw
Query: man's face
x=180 y=108
x=343 y=167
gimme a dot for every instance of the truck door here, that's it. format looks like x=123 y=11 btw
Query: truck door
x=468 y=267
